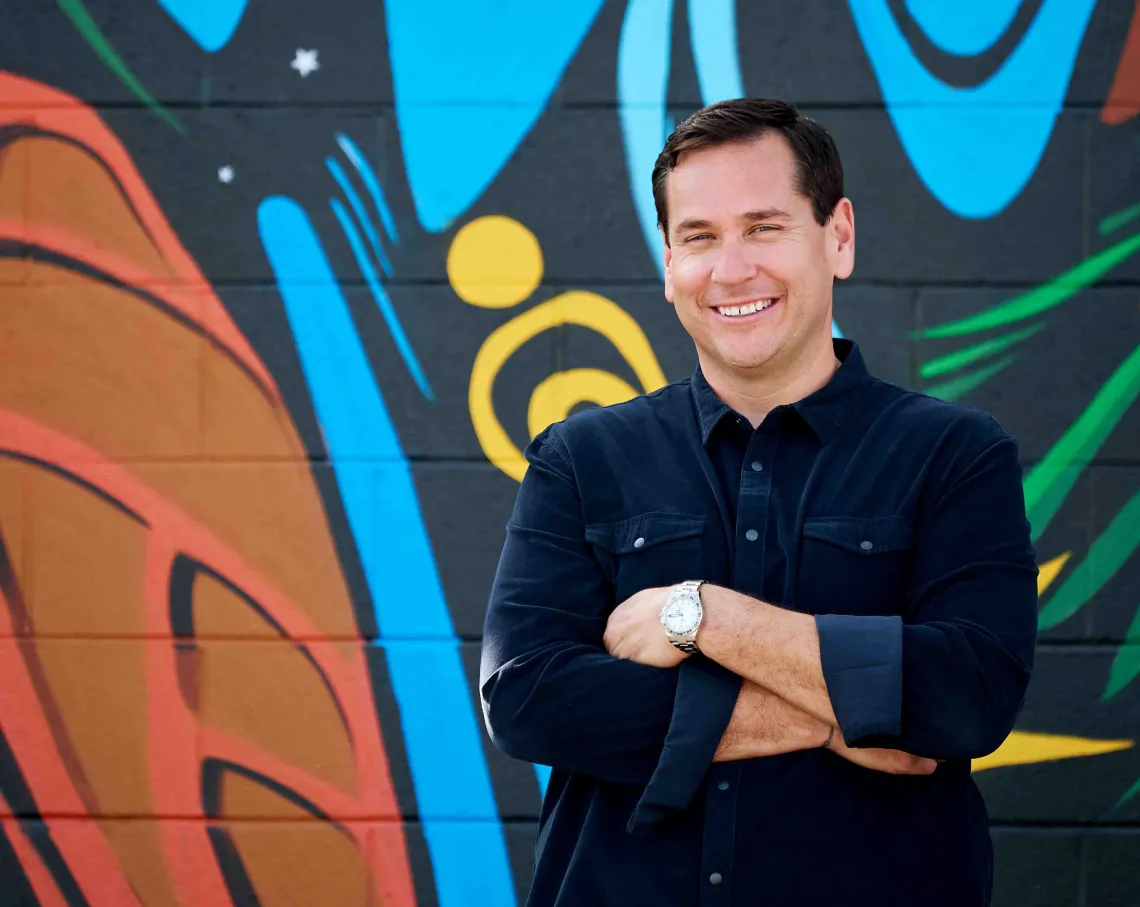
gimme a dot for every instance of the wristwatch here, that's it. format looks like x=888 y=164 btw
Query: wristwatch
x=681 y=615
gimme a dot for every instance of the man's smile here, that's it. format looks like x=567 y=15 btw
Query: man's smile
x=747 y=312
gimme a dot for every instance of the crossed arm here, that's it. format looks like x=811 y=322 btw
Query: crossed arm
x=566 y=685
x=764 y=724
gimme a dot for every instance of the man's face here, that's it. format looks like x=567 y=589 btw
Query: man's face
x=742 y=236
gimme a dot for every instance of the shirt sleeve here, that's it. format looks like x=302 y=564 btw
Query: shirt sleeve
x=551 y=694
x=947 y=678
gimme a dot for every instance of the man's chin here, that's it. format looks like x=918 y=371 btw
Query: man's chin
x=747 y=360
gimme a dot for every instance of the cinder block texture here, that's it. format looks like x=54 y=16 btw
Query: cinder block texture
x=287 y=288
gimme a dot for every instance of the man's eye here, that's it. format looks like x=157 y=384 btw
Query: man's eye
x=698 y=236
x=764 y=228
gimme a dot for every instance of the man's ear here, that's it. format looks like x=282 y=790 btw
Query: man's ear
x=668 y=255
x=842 y=226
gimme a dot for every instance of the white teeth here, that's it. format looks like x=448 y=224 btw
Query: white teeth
x=747 y=309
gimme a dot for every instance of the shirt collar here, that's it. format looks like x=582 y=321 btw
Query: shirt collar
x=824 y=410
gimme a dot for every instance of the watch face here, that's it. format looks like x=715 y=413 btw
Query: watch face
x=682 y=614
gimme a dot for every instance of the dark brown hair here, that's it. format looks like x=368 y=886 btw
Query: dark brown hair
x=819 y=172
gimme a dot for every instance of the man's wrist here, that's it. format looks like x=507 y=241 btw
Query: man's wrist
x=717 y=605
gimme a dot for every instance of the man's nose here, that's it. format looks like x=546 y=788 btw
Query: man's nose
x=732 y=266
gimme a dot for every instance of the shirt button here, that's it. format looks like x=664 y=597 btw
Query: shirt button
x=757 y=466
x=866 y=546
x=752 y=535
x=716 y=878
x=723 y=785
x=638 y=542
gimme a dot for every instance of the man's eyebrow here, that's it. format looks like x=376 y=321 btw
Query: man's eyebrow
x=693 y=223
x=696 y=223
x=766 y=214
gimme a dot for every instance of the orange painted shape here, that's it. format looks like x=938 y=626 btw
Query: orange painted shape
x=102 y=364
x=272 y=695
x=84 y=563
x=71 y=190
x=31 y=103
x=138 y=843
x=87 y=853
x=1123 y=99
x=176 y=742
x=297 y=864
x=236 y=422
x=295 y=861
x=270 y=513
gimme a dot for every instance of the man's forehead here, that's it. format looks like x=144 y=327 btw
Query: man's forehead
x=737 y=180
x=768 y=160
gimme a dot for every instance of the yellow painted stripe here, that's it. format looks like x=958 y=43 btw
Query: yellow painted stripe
x=1049 y=571
x=1026 y=747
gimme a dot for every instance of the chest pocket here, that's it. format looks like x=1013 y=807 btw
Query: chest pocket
x=647 y=550
x=855 y=565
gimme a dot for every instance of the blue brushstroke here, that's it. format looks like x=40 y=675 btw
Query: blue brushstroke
x=360 y=162
x=461 y=69
x=362 y=218
x=966 y=27
x=442 y=735
x=382 y=301
x=712 y=34
x=976 y=148
x=642 y=80
x=211 y=23
x=542 y=773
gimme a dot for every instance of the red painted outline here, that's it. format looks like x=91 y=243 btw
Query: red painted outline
x=1123 y=100
x=39 y=877
x=176 y=742
x=32 y=103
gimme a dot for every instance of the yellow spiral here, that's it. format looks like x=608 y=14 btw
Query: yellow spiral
x=495 y=262
x=557 y=394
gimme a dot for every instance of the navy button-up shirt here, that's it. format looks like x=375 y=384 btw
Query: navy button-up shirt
x=895 y=518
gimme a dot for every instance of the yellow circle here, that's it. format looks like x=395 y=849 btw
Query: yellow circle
x=494 y=262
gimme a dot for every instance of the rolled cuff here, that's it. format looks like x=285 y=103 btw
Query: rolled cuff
x=702 y=707
x=862 y=667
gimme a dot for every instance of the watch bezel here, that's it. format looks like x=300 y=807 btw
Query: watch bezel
x=689 y=629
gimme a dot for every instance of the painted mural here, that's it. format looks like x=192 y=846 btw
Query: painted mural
x=286 y=287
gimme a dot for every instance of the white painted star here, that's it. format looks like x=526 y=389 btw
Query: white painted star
x=305 y=62
x=226 y=174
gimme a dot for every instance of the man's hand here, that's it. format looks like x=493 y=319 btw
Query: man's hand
x=634 y=631
x=763 y=724
x=894 y=762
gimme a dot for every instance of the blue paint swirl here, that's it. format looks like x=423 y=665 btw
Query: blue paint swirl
x=371 y=183
x=976 y=148
x=381 y=297
x=461 y=69
x=357 y=206
x=712 y=34
x=442 y=735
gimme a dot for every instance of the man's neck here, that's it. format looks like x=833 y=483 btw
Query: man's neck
x=755 y=394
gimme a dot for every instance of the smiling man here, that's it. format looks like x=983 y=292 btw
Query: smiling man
x=760 y=621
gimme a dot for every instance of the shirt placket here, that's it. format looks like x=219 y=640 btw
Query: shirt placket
x=751 y=534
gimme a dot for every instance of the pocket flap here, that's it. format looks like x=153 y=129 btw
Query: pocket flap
x=863 y=535
x=643 y=531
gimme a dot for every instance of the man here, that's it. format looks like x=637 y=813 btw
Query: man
x=825 y=590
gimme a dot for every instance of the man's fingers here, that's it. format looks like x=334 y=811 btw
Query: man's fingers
x=894 y=762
